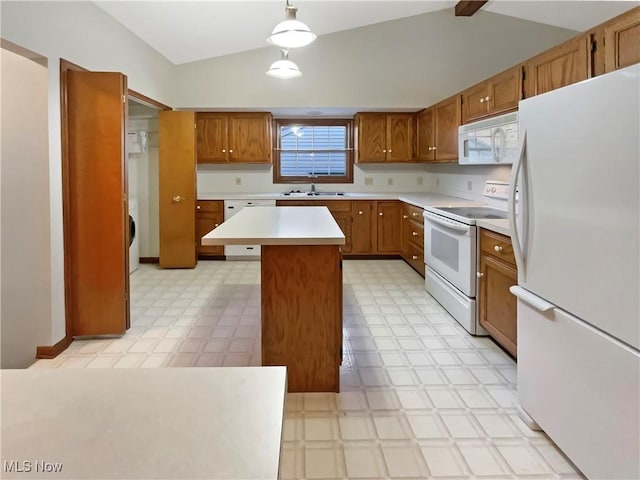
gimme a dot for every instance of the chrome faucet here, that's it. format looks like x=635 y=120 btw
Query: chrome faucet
x=313 y=188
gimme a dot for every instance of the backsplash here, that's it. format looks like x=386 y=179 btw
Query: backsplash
x=465 y=181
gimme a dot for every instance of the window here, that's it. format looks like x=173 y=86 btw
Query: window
x=313 y=151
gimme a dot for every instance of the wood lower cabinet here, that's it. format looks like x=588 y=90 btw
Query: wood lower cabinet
x=412 y=240
x=209 y=214
x=361 y=225
x=499 y=94
x=388 y=215
x=496 y=304
x=384 y=137
x=567 y=63
x=234 y=137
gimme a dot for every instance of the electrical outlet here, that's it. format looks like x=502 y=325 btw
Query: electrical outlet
x=238 y=181
x=419 y=181
x=368 y=180
x=390 y=181
x=469 y=185
x=437 y=181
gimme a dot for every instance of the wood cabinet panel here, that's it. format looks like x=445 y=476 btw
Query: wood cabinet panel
x=388 y=214
x=412 y=241
x=567 y=63
x=425 y=135
x=415 y=257
x=447 y=120
x=400 y=137
x=345 y=221
x=497 y=306
x=209 y=214
x=496 y=95
x=177 y=189
x=362 y=240
x=250 y=138
x=622 y=41
x=497 y=245
x=474 y=103
x=211 y=137
x=371 y=137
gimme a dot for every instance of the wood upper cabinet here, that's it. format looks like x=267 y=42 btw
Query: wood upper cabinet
x=567 y=63
x=209 y=214
x=425 y=135
x=234 y=137
x=622 y=41
x=384 y=137
x=388 y=214
x=499 y=94
x=447 y=120
x=496 y=304
x=361 y=226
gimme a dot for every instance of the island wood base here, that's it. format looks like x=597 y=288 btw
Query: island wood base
x=302 y=314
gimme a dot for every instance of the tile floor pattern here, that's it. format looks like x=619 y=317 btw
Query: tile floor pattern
x=420 y=398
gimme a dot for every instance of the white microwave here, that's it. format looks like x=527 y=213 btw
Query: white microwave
x=489 y=142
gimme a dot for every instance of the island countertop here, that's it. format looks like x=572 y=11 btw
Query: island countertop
x=278 y=226
x=170 y=423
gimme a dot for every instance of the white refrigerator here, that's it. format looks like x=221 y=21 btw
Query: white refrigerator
x=576 y=241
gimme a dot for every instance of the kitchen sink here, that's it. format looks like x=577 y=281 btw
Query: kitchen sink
x=313 y=194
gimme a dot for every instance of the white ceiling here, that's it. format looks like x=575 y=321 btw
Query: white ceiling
x=187 y=31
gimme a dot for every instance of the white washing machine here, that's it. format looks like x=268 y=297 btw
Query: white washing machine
x=134 y=248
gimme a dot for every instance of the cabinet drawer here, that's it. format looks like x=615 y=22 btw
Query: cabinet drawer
x=496 y=245
x=412 y=212
x=415 y=257
x=210 y=206
x=414 y=232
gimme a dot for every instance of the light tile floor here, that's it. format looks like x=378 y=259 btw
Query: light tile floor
x=420 y=398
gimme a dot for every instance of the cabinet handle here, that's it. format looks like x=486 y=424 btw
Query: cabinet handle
x=415 y=257
x=435 y=148
x=404 y=216
x=415 y=214
x=178 y=199
x=380 y=213
x=224 y=150
x=497 y=248
x=197 y=207
x=487 y=99
x=384 y=151
x=389 y=150
x=479 y=274
x=415 y=234
x=230 y=151
x=360 y=212
x=482 y=100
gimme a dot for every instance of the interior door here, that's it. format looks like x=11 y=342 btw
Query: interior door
x=96 y=214
x=177 y=189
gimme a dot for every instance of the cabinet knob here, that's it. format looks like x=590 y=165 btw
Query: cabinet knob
x=415 y=214
x=479 y=274
x=380 y=213
x=435 y=148
x=486 y=99
x=360 y=212
x=415 y=257
x=230 y=151
x=482 y=100
x=405 y=216
x=178 y=199
x=415 y=234
x=224 y=150
x=197 y=207
x=216 y=225
x=384 y=151
x=497 y=248
x=389 y=150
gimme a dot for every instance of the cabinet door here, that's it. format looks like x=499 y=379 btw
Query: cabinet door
x=400 y=137
x=250 y=138
x=425 y=133
x=211 y=137
x=568 y=63
x=506 y=91
x=622 y=41
x=448 y=119
x=344 y=221
x=361 y=227
x=371 y=137
x=475 y=102
x=389 y=216
x=177 y=189
x=96 y=220
x=209 y=214
x=497 y=306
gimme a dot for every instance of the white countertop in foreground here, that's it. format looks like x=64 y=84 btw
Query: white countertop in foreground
x=495 y=225
x=278 y=226
x=169 y=423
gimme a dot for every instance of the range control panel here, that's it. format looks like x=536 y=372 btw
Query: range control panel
x=498 y=190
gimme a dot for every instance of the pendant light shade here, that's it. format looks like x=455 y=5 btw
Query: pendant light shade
x=284 y=68
x=291 y=33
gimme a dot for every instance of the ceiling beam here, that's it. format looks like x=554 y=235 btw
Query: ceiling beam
x=468 y=8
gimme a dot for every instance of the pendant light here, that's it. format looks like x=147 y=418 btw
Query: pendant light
x=284 y=68
x=291 y=33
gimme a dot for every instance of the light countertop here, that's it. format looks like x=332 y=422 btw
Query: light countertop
x=495 y=225
x=170 y=423
x=278 y=226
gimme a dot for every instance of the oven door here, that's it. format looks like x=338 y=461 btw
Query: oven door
x=450 y=250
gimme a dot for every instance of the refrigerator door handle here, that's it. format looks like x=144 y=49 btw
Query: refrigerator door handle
x=515 y=172
x=531 y=299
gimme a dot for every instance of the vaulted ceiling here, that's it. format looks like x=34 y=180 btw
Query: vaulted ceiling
x=187 y=31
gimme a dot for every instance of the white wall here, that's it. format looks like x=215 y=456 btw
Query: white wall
x=26 y=258
x=465 y=181
x=407 y=63
x=85 y=35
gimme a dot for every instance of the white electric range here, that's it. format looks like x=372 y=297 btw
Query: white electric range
x=450 y=243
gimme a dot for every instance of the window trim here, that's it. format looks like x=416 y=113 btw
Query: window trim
x=288 y=179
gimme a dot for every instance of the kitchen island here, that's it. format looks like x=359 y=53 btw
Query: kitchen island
x=301 y=289
x=169 y=423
